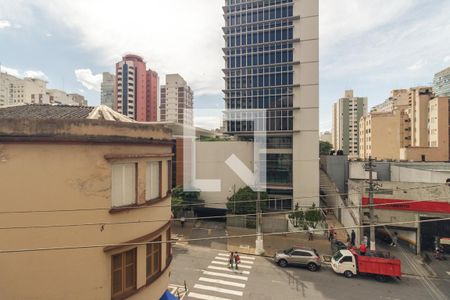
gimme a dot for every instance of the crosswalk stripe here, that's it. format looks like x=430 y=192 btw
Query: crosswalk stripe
x=242 y=260
x=226 y=264
x=241 y=256
x=217 y=289
x=224 y=282
x=448 y=273
x=205 y=297
x=225 y=275
x=227 y=270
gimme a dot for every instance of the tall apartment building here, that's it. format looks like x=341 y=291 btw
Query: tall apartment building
x=397 y=98
x=271 y=57
x=17 y=91
x=108 y=94
x=441 y=83
x=415 y=131
x=347 y=112
x=177 y=100
x=136 y=89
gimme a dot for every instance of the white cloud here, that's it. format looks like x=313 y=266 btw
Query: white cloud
x=418 y=65
x=447 y=58
x=211 y=122
x=4 y=24
x=88 y=79
x=28 y=73
x=35 y=74
x=48 y=34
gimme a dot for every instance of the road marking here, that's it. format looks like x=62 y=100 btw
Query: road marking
x=227 y=270
x=448 y=273
x=226 y=264
x=241 y=256
x=216 y=289
x=224 y=282
x=225 y=275
x=226 y=259
x=205 y=297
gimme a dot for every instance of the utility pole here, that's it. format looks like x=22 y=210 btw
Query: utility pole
x=371 y=206
x=259 y=240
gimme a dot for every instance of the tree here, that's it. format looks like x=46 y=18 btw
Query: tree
x=182 y=199
x=325 y=148
x=313 y=216
x=244 y=201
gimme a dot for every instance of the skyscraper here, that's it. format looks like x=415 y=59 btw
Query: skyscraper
x=108 y=94
x=176 y=100
x=271 y=58
x=441 y=83
x=347 y=112
x=136 y=89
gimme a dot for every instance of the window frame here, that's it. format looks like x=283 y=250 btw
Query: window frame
x=154 y=248
x=125 y=291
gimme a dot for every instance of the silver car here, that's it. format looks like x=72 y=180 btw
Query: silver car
x=298 y=256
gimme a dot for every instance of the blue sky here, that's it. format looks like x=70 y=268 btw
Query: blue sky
x=371 y=46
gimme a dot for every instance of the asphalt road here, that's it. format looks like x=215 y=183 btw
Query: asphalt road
x=207 y=277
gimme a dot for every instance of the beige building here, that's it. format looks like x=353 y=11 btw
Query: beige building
x=326 y=136
x=347 y=112
x=416 y=129
x=94 y=205
x=176 y=101
x=397 y=98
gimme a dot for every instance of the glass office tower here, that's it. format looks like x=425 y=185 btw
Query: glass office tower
x=271 y=63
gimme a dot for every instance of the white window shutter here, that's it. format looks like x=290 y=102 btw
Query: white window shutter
x=123 y=184
x=152 y=180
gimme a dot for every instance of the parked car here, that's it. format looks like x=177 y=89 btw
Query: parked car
x=300 y=256
x=337 y=245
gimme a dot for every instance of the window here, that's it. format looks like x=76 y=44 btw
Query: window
x=153 y=266
x=123 y=269
x=346 y=259
x=152 y=181
x=123 y=184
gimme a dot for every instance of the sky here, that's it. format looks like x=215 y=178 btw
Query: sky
x=370 y=46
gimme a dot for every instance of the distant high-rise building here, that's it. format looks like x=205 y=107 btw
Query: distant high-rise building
x=347 y=112
x=441 y=83
x=108 y=94
x=272 y=64
x=176 y=100
x=136 y=89
x=326 y=137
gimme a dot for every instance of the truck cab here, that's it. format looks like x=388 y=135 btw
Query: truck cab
x=344 y=262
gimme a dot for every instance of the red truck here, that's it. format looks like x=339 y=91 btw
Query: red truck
x=378 y=264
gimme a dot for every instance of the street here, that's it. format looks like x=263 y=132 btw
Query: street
x=207 y=277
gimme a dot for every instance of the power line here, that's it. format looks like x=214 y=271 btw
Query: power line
x=202 y=204
x=211 y=238
x=194 y=218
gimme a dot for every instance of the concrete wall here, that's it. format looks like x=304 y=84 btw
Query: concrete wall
x=336 y=167
x=67 y=176
x=210 y=164
x=406 y=174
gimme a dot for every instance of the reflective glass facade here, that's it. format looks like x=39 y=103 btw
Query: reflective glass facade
x=259 y=61
x=259 y=74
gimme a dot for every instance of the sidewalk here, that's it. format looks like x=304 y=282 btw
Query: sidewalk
x=272 y=243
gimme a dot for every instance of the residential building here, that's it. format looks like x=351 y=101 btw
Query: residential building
x=177 y=100
x=441 y=83
x=347 y=112
x=17 y=91
x=136 y=89
x=103 y=182
x=326 y=136
x=271 y=64
x=417 y=130
x=108 y=94
x=397 y=98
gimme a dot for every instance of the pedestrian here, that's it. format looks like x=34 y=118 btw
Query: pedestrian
x=334 y=236
x=231 y=260
x=310 y=233
x=365 y=240
x=182 y=220
x=362 y=249
x=330 y=233
x=237 y=260
x=353 y=237
x=348 y=243
x=394 y=239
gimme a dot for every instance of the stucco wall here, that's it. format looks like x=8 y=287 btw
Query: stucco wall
x=69 y=176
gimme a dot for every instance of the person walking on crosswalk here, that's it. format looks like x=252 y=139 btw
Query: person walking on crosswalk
x=231 y=260
x=237 y=260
